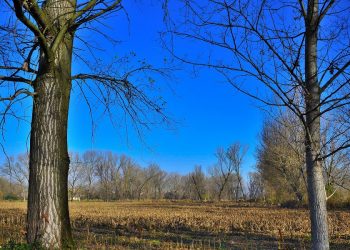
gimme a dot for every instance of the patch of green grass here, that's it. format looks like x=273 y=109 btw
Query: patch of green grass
x=12 y=245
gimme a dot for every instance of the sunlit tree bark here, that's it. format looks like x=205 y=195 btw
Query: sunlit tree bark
x=43 y=53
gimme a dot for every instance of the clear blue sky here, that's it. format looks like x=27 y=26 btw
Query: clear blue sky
x=208 y=111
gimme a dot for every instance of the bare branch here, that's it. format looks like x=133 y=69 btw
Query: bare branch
x=18 y=93
x=115 y=6
x=15 y=79
x=335 y=76
x=20 y=15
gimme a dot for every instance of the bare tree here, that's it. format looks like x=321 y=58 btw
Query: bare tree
x=42 y=34
x=336 y=170
x=75 y=175
x=228 y=165
x=132 y=178
x=106 y=171
x=148 y=174
x=281 y=160
x=197 y=182
x=17 y=169
x=158 y=181
x=221 y=172
x=235 y=154
x=175 y=186
x=296 y=50
x=6 y=188
x=255 y=186
x=281 y=157
x=90 y=159
x=227 y=169
x=151 y=181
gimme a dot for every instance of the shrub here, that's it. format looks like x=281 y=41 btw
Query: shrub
x=290 y=204
x=11 y=197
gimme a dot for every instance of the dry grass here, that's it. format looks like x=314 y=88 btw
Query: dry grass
x=183 y=225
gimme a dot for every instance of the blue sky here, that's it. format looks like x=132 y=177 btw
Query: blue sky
x=208 y=112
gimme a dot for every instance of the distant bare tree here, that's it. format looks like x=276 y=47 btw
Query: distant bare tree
x=175 y=186
x=90 y=159
x=228 y=169
x=235 y=154
x=197 y=182
x=158 y=181
x=148 y=175
x=221 y=172
x=7 y=188
x=75 y=175
x=106 y=171
x=131 y=176
x=336 y=169
x=17 y=169
x=281 y=159
x=255 y=186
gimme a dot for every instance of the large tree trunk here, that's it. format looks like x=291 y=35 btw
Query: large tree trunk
x=316 y=187
x=48 y=216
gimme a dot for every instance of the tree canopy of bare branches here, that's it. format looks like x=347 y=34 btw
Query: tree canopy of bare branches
x=293 y=54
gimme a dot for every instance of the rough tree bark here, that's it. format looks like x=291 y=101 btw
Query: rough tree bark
x=51 y=26
x=316 y=187
x=48 y=215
